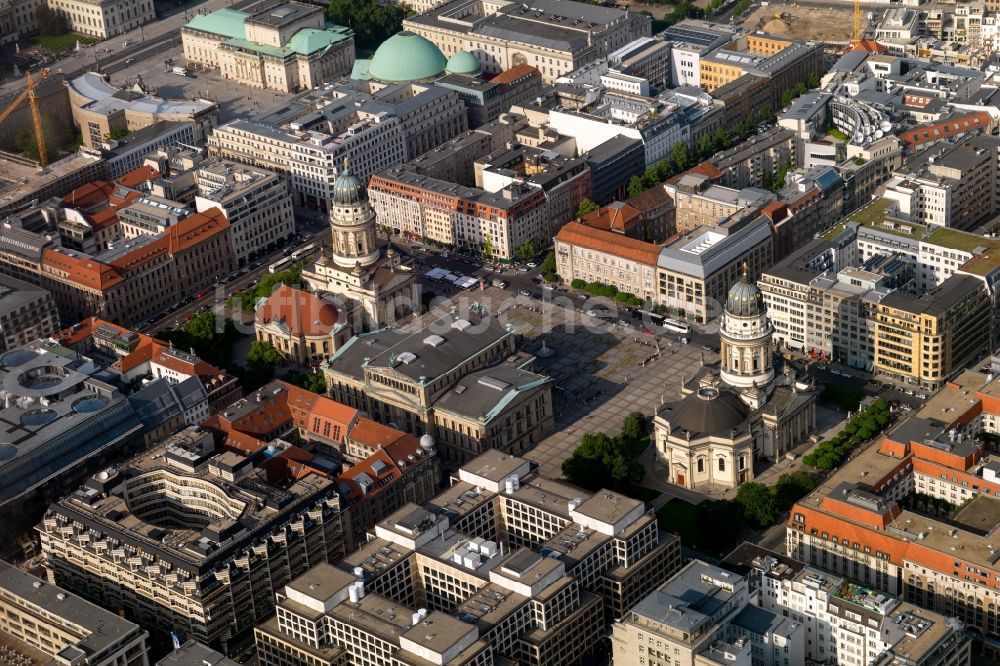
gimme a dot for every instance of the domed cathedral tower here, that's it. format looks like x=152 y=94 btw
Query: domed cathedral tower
x=746 y=355
x=372 y=289
x=352 y=222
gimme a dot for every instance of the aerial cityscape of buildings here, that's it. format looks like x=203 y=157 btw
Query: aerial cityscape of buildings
x=489 y=333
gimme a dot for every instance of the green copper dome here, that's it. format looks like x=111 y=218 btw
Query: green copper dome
x=464 y=62
x=406 y=57
x=348 y=188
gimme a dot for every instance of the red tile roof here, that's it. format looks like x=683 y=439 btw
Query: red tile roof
x=137 y=177
x=196 y=228
x=945 y=129
x=609 y=242
x=617 y=218
x=91 y=194
x=513 y=74
x=304 y=314
x=374 y=434
x=869 y=45
x=81 y=269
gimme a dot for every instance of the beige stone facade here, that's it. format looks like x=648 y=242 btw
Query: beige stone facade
x=575 y=37
x=104 y=18
x=472 y=586
x=596 y=255
x=472 y=394
x=288 y=48
x=38 y=617
x=695 y=272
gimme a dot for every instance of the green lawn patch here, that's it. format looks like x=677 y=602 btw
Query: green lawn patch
x=59 y=43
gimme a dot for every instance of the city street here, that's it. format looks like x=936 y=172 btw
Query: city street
x=111 y=53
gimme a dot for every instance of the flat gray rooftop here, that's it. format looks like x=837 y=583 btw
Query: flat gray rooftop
x=441 y=344
x=101 y=629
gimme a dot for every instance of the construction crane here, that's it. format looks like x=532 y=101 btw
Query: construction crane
x=36 y=116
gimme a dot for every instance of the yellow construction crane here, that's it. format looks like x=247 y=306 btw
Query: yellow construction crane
x=36 y=116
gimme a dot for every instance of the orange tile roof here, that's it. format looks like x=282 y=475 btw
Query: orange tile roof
x=74 y=335
x=137 y=177
x=196 y=228
x=707 y=169
x=374 y=434
x=609 y=242
x=618 y=218
x=302 y=312
x=147 y=349
x=513 y=74
x=946 y=128
x=83 y=270
x=91 y=194
x=141 y=255
x=869 y=45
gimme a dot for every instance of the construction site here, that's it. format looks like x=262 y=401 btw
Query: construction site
x=833 y=25
x=36 y=122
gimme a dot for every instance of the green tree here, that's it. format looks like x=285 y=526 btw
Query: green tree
x=790 y=488
x=266 y=285
x=117 y=134
x=487 y=248
x=586 y=206
x=601 y=461
x=202 y=326
x=635 y=187
x=263 y=352
x=633 y=433
x=372 y=21
x=706 y=147
x=548 y=267
x=757 y=503
x=680 y=156
x=314 y=381
x=721 y=139
x=525 y=251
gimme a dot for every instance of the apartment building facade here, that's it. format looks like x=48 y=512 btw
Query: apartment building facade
x=372 y=125
x=39 y=616
x=695 y=272
x=467 y=217
x=846 y=622
x=862 y=523
x=256 y=203
x=596 y=255
x=912 y=304
x=195 y=535
x=26 y=313
x=480 y=554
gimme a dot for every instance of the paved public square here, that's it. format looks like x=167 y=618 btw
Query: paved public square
x=601 y=371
